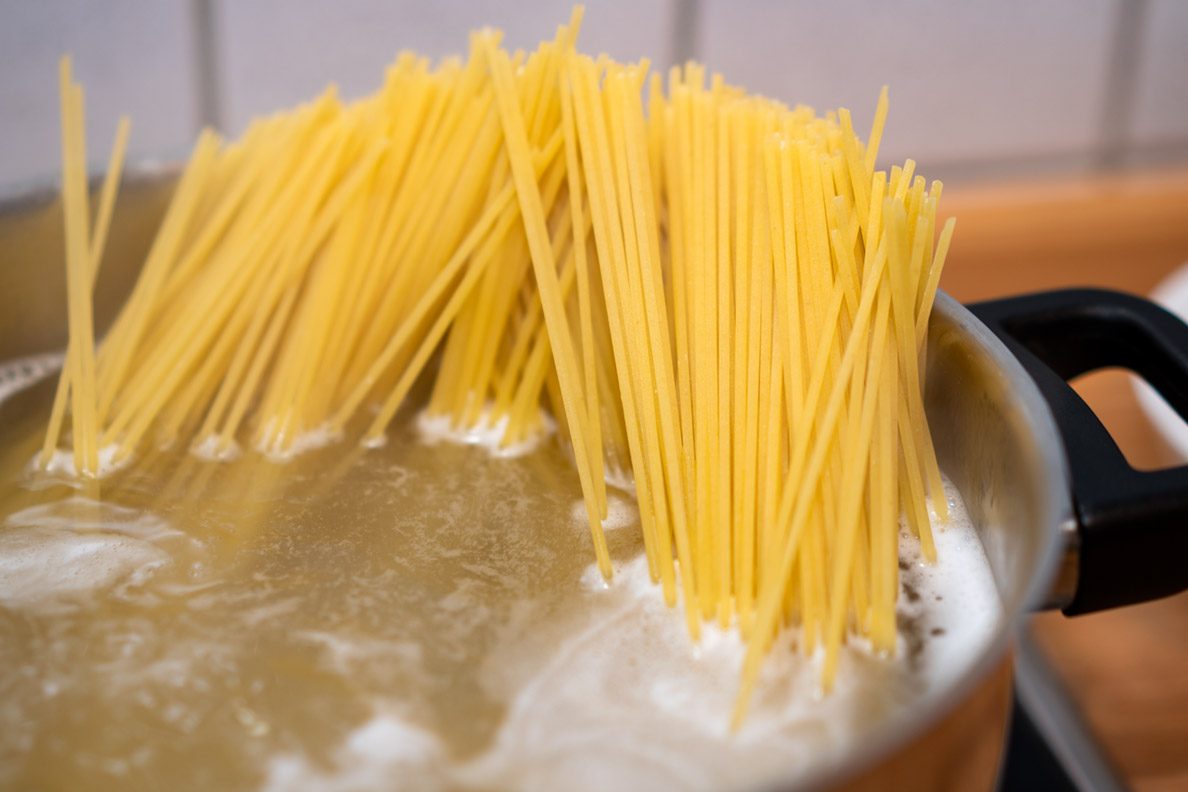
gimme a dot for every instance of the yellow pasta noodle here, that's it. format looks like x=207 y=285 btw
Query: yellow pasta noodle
x=711 y=292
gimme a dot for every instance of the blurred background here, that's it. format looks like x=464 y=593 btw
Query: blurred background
x=1060 y=129
x=979 y=91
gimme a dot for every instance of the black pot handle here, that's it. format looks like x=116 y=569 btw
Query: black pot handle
x=1133 y=524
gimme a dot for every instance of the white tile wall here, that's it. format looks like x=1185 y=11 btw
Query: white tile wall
x=131 y=57
x=1160 y=117
x=276 y=53
x=1010 y=84
x=968 y=81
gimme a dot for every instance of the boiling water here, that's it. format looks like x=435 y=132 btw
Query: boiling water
x=417 y=616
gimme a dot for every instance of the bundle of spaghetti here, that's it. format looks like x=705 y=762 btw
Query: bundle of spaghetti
x=768 y=299
x=84 y=253
x=712 y=293
x=310 y=213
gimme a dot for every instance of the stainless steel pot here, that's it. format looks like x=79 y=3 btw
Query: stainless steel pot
x=1054 y=532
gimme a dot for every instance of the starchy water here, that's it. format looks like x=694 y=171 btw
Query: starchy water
x=423 y=615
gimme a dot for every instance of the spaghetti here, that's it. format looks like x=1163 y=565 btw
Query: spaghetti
x=713 y=292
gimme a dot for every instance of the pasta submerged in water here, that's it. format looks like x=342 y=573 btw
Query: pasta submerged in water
x=710 y=291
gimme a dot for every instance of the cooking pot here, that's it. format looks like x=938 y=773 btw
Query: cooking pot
x=1064 y=520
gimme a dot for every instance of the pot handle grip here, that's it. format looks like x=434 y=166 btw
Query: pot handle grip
x=1132 y=524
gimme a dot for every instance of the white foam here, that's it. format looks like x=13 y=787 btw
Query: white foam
x=619 y=477
x=620 y=513
x=386 y=752
x=485 y=433
x=15 y=376
x=629 y=702
x=39 y=564
x=62 y=462
x=956 y=598
x=211 y=450
x=319 y=437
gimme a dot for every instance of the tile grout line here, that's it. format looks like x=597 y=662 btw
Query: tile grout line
x=204 y=40
x=685 y=31
x=1117 y=108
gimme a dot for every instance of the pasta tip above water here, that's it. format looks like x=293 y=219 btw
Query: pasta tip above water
x=708 y=290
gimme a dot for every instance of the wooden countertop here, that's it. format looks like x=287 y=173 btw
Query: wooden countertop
x=1127 y=670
